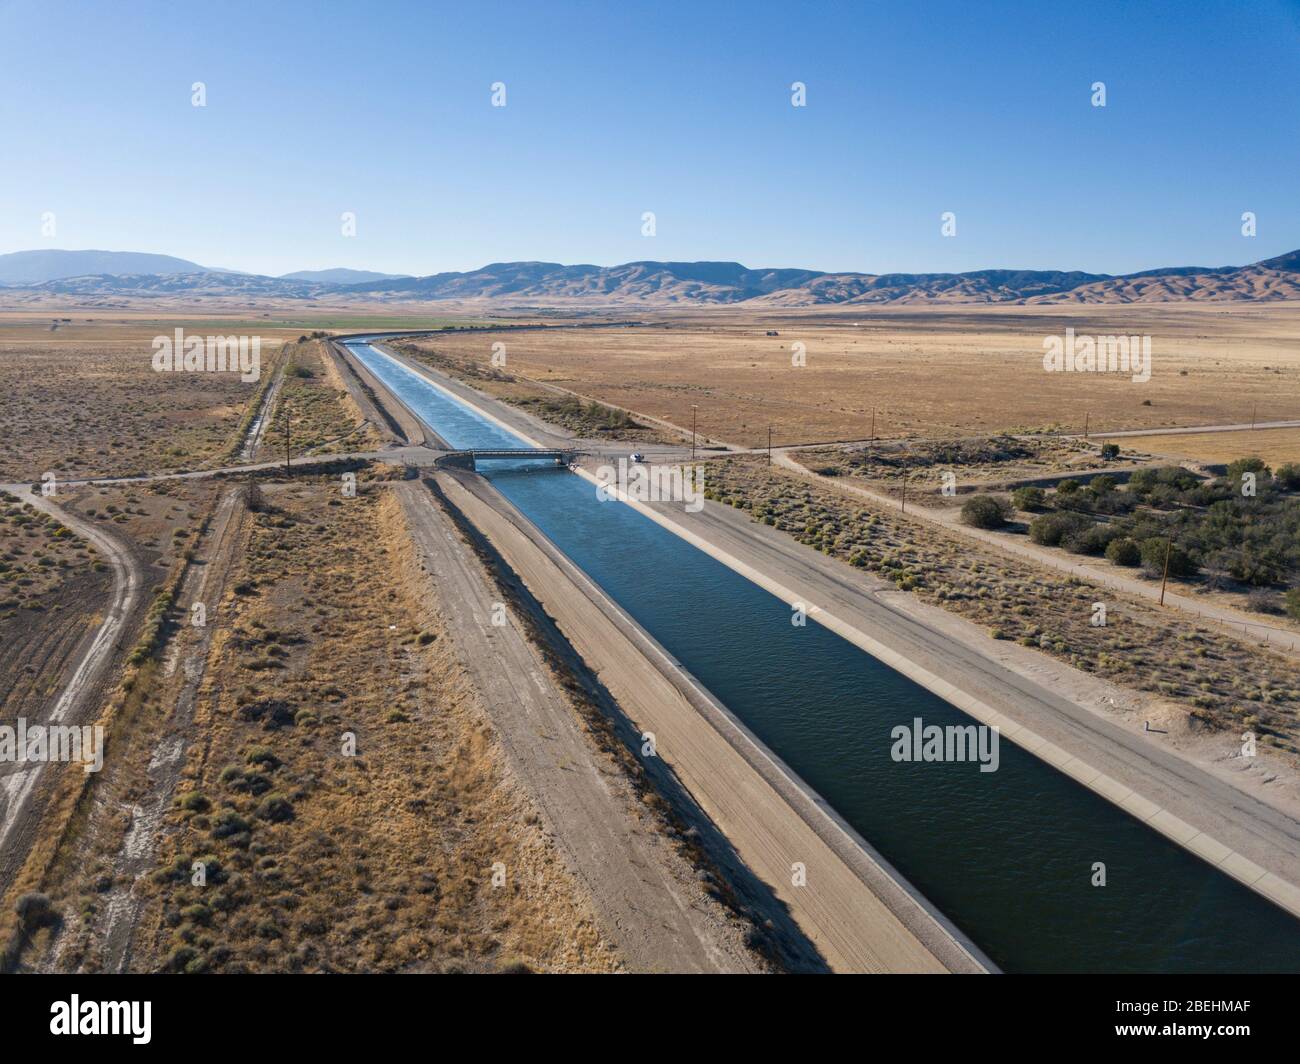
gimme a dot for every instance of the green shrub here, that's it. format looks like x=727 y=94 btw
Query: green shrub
x=1092 y=540
x=34 y=911
x=194 y=802
x=229 y=823
x=275 y=808
x=985 y=511
x=1028 y=498
x=1288 y=476
x=1153 y=558
x=1124 y=551
x=1050 y=529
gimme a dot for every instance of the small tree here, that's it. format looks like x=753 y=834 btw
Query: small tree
x=1028 y=498
x=1153 y=558
x=1051 y=529
x=985 y=511
x=1124 y=551
x=1109 y=451
x=1067 y=487
x=1238 y=469
x=1293 y=602
x=1288 y=476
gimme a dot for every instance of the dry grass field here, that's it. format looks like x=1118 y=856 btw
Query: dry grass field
x=938 y=371
x=84 y=400
x=1276 y=446
x=586 y=419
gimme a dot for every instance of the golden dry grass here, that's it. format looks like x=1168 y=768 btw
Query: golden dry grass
x=926 y=371
x=324 y=862
x=1276 y=446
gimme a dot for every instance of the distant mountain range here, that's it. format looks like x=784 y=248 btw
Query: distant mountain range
x=130 y=274
x=34 y=267
x=341 y=276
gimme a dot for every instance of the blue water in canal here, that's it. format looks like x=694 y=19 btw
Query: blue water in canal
x=1007 y=855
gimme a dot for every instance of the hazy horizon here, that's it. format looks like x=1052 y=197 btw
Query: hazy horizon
x=225 y=268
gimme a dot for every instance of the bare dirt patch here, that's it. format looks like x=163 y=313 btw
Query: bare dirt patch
x=84 y=400
x=52 y=585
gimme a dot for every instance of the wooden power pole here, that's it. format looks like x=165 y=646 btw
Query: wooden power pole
x=286 y=439
x=1164 y=578
x=769 y=444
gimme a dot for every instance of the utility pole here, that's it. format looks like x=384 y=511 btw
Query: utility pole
x=905 y=485
x=873 y=426
x=1169 y=543
x=1085 y=424
x=694 y=408
x=769 y=444
x=286 y=438
x=1253 y=408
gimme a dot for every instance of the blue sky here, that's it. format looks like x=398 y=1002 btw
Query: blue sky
x=683 y=109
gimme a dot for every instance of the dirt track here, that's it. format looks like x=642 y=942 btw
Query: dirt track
x=203 y=582
x=20 y=804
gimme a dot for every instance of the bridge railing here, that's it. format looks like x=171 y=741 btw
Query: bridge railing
x=465 y=459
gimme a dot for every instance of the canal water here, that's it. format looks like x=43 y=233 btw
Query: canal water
x=1009 y=856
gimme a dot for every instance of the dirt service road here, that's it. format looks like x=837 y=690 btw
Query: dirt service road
x=20 y=797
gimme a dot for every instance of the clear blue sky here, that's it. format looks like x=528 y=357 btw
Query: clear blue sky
x=678 y=108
